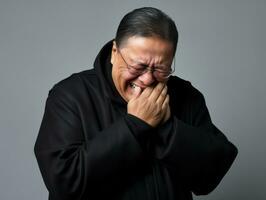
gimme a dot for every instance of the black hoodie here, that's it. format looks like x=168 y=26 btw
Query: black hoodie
x=88 y=147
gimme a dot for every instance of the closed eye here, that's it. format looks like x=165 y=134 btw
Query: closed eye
x=161 y=70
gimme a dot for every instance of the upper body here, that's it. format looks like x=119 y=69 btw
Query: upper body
x=126 y=129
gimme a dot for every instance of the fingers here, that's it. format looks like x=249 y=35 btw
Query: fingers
x=156 y=92
x=146 y=92
x=151 y=105
x=162 y=96
x=166 y=102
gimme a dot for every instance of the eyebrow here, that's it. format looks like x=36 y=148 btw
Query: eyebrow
x=142 y=63
x=145 y=65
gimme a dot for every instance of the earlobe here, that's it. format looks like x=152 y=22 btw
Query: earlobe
x=114 y=48
x=114 y=51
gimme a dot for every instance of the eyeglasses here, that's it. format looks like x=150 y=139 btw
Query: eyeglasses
x=158 y=73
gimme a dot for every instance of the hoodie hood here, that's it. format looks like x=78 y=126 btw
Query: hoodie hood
x=103 y=68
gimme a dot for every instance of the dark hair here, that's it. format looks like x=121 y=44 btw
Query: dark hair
x=147 y=22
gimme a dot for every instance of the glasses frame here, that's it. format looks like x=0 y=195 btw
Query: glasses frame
x=171 y=71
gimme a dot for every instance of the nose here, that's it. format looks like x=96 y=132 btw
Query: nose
x=147 y=78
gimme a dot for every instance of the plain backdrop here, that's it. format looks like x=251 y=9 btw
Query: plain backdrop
x=221 y=50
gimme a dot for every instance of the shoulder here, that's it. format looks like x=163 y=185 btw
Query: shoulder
x=183 y=89
x=185 y=100
x=73 y=86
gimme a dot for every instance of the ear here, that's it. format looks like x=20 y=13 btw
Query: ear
x=114 y=52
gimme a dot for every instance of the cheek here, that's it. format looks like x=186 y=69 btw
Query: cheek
x=127 y=77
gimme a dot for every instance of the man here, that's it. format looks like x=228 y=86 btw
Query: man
x=127 y=129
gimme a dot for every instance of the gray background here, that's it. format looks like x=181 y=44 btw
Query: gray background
x=221 y=51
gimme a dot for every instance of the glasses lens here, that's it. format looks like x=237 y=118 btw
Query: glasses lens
x=161 y=75
x=158 y=73
x=135 y=71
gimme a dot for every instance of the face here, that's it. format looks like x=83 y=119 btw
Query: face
x=151 y=52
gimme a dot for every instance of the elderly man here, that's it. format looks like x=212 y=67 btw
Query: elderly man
x=127 y=129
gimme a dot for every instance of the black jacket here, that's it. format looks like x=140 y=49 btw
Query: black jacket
x=88 y=147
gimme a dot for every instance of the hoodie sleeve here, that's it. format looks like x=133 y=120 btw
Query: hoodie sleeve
x=74 y=166
x=195 y=151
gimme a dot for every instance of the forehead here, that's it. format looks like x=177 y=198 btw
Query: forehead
x=148 y=48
